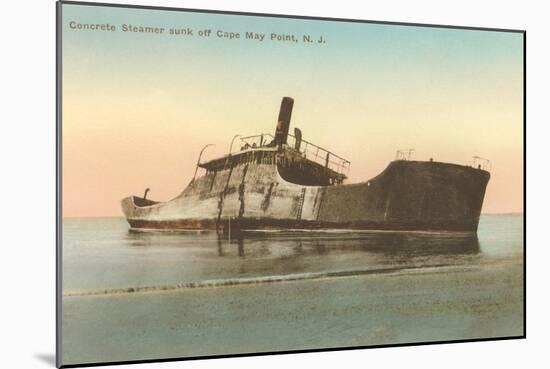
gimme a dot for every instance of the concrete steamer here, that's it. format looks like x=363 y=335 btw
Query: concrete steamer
x=286 y=182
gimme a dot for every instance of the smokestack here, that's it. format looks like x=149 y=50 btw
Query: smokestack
x=281 y=133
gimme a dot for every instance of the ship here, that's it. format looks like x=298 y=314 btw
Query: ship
x=281 y=181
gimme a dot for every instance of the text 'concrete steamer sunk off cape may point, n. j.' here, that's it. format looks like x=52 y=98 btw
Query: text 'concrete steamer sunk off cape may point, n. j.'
x=285 y=182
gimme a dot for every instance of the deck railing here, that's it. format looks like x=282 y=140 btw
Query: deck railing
x=307 y=149
x=481 y=163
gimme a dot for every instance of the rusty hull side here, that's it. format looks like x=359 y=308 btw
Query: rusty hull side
x=410 y=195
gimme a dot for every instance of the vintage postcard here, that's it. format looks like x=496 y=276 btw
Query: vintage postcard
x=238 y=184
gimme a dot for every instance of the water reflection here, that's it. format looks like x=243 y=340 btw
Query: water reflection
x=388 y=243
x=258 y=244
x=103 y=253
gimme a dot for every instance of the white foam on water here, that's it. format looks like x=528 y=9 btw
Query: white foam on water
x=264 y=280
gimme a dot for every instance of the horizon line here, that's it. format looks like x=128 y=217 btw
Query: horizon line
x=122 y=216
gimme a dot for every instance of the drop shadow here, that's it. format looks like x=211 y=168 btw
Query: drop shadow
x=46 y=358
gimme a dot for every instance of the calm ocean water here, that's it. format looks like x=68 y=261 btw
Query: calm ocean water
x=398 y=287
x=102 y=253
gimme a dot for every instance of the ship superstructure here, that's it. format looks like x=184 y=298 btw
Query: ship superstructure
x=283 y=181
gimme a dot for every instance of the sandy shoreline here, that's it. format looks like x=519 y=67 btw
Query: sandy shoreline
x=482 y=301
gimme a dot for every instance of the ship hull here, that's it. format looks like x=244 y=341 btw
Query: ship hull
x=407 y=195
x=278 y=224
